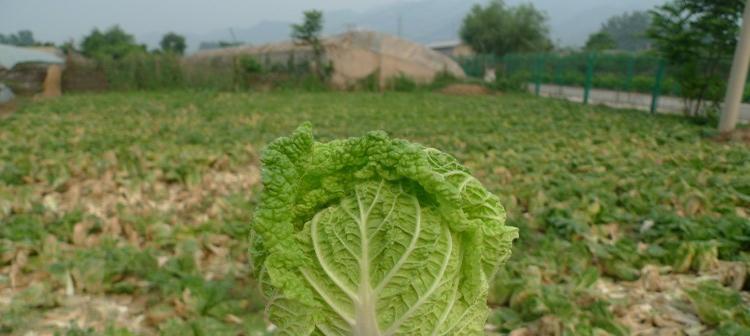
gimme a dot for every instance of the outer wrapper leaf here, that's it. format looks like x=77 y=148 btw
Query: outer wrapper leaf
x=375 y=236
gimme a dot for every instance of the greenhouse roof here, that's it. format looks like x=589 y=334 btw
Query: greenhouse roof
x=12 y=55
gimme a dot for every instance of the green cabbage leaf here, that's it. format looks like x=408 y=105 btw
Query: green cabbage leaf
x=374 y=236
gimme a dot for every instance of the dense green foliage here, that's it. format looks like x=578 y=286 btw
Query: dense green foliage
x=501 y=29
x=402 y=83
x=375 y=236
x=140 y=205
x=173 y=43
x=628 y=30
x=113 y=43
x=600 y=41
x=697 y=37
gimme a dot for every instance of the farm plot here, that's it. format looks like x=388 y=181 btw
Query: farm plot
x=129 y=213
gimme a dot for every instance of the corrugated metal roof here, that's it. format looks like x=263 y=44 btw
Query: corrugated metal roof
x=12 y=55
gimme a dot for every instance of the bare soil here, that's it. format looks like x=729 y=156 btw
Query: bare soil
x=739 y=135
x=7 y=109
x=465 y=90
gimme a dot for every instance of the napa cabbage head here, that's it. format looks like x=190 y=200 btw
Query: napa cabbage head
x=374 y=236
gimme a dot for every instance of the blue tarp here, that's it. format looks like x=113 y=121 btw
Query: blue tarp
x=12 y=55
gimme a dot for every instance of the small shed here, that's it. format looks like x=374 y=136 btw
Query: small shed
x=24 y=69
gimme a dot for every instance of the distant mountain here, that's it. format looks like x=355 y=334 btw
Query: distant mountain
x=421 y=21
x=263 y=32
x=571 y=22
x=428 y=21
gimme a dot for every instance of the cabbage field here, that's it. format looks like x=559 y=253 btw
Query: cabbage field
x=130 y=213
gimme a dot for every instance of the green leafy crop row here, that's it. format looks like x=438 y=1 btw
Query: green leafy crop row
x=145 y=201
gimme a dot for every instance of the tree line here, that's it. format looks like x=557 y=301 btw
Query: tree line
x=22 y=38
x=695 y=37
x=113 y=42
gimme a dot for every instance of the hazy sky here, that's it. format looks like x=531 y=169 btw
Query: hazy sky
x=58 y=20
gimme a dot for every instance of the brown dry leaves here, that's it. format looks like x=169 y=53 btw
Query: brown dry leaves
x=104 y=199
x=465 y=90
x=657 y=303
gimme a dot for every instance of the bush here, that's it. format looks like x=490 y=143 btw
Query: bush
x=371 y=83
x=402 y=83
x=443 y=79
x=249 y=65
x=310 y=83
x=247 y=72
x=510 y=83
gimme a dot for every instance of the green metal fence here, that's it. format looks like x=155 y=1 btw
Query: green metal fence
x=618 y=72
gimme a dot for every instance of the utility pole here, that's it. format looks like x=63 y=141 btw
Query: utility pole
x=231 y=32
x=737 y=78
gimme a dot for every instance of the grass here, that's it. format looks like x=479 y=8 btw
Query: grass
x=129 y=213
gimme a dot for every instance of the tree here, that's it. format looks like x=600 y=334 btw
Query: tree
x=114 y=43
x=697 y=37
x=68 y=46
x=23 y=38
x=173 y=43
x=308 y=33
x=600 y=41
x=500 y=29
x=628 y=30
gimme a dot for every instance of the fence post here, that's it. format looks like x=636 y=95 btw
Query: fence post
x=538 y=74
x=485 y=60
x=657 y=86
x=589 y=78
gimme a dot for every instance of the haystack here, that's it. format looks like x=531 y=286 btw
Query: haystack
x=354 y=55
